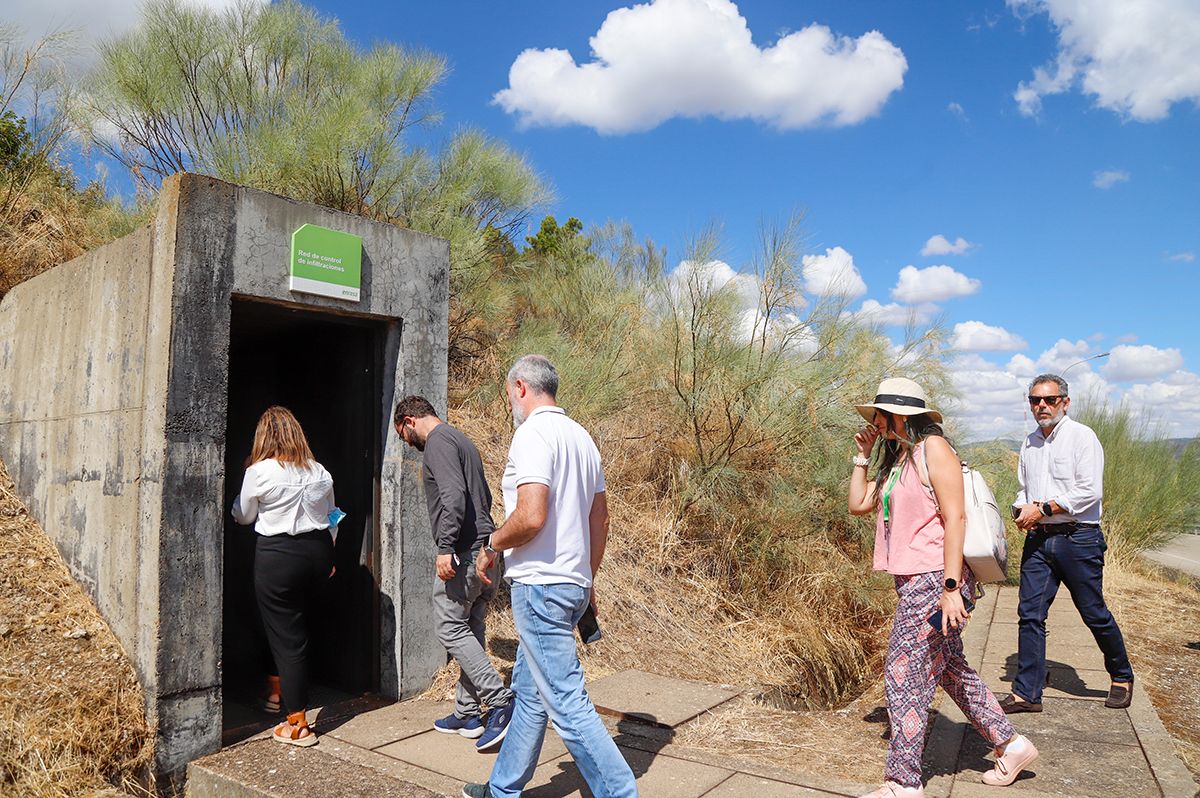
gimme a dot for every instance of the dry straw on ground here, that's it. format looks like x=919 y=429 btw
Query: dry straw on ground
x=71 y=719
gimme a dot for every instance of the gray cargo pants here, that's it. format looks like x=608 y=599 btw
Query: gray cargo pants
x=459 y=609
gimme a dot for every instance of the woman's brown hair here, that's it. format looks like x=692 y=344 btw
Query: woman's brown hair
x=280 y=437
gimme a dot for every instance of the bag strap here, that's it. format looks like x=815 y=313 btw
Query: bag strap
x=922 y=464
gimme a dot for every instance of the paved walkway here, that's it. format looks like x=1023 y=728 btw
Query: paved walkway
x=391 y=751
x=1086 y=749
x=1182 y=555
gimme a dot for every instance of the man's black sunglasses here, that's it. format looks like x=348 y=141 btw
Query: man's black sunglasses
x=1052 y=401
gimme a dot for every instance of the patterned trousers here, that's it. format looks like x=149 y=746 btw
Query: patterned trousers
x=918 y=660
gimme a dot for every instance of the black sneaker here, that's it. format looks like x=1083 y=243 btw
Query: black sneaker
x=476 y=791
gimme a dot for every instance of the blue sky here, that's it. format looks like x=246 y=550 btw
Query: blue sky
x=1057 y=257
x=1079 y=204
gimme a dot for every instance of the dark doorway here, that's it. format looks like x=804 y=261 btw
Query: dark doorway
x=327 y=370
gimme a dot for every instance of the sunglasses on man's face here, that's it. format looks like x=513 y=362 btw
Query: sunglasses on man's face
x=1051 y=401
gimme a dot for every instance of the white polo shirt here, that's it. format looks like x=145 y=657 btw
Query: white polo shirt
x=553 y=450
x=1067 y=468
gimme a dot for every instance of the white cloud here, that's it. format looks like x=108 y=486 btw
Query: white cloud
x=833 y=274
x=932 y=284
x=1141 y=362
x=975 y=336
x=992 y=403
x=958 y=111
x=1127 y=338
x=696 y=58
x=1135 y=58
x=940 y=245
x=1183 y=257
x=893 y=314
x=88 y=21
x=1109 y=178
x=715 y=275
x=1172 y=403
x=1063 y=355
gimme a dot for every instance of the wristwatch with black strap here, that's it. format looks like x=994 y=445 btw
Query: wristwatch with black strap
x=1046 y=509
x=951 y=584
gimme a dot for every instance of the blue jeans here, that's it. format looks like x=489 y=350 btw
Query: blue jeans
x=547 y=681
x=1076 y=560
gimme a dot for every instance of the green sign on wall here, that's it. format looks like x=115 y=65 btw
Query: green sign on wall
x=326 y=262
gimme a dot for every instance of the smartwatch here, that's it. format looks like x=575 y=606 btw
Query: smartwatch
x=951 y=584
x=1046 y=511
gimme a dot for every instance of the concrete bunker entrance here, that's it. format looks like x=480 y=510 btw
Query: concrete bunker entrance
x=326 y=368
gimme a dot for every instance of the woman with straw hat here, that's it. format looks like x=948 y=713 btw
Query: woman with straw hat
x=917 y=495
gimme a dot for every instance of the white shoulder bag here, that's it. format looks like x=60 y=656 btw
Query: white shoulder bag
x=985 y=543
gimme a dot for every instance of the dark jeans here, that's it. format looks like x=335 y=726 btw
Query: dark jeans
x=1075 y=559
x=290 y=573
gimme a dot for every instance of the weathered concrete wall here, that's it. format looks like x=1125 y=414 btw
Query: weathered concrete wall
x=113 y=392
x=77 y=359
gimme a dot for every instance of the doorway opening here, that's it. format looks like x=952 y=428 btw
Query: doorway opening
x=327 y=370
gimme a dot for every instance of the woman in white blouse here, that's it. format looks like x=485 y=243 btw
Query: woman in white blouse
x=288 y=496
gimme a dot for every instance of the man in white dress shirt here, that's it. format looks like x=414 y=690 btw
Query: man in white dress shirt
x=1061 y=476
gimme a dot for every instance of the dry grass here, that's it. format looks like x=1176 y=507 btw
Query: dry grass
x=44 y=222
x=1161 y=623
x=663 y=602
x=72 y=720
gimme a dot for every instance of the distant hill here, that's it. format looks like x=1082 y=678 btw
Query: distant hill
x=1179 y=444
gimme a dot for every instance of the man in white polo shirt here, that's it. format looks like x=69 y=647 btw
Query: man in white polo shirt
x=554 y=537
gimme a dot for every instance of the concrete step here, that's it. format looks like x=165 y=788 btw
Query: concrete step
x=267 y=769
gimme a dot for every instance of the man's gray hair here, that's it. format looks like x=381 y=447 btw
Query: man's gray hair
x=1054 y=378
x=537 y=372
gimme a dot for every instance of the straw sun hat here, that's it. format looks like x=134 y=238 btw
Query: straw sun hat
x=901 y=396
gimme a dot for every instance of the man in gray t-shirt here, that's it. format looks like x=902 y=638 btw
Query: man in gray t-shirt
x=460 y=513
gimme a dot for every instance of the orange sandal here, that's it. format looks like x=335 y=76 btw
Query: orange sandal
x=295 y=731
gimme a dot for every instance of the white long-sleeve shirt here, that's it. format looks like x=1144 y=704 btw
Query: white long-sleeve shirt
x=284 y=498
x=1066 y=468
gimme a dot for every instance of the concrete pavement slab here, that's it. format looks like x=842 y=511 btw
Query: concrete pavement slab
x=657 y=775
x=391 y=724
x=656 y=699
x=456 y=757
x=1062 y=681
x=1070 y=767
x=266 y=768
x=741 y=785
x=1086 y=721
x=1073 y=648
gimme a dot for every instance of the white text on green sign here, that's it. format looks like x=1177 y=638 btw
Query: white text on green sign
x=326 y=262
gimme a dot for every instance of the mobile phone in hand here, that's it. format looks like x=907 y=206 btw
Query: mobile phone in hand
x=935 y=620
x=588 y=626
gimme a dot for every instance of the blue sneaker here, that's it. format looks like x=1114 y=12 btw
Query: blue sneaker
x=497 y=727
x=470 y=727
x=476 y=791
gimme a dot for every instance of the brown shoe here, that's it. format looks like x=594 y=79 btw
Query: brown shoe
x=1119 y=696
x=1012 y=705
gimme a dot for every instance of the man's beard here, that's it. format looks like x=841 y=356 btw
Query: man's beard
x=518 y=414
x=1046 y=423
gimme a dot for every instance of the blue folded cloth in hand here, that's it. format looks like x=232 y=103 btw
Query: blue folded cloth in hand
x=335 y=517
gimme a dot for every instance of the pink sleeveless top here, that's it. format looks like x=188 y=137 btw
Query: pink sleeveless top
x=914 y=541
